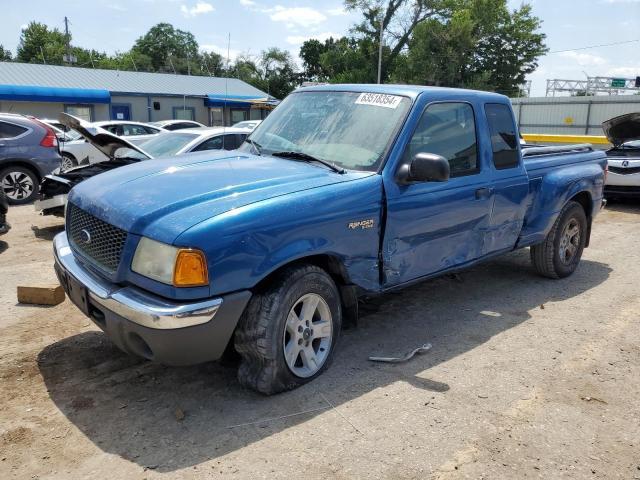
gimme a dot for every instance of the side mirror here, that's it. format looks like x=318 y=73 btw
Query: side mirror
x=424 y=167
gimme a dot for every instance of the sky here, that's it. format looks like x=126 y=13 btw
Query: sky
x=254 y=25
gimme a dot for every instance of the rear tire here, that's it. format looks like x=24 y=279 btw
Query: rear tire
x=20 y=184
x=559 y=255
x=287 y=335
x=68 y=162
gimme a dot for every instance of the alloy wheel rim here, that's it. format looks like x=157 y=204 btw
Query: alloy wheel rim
x=569 y=241
x=308 y=335
x=67 y=163
x=17 y=185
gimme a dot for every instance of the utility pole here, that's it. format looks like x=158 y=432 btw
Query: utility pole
x=66 y=39
x=68 y=58
x=380 y=44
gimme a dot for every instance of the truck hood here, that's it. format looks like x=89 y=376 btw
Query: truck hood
x=163 y=198
x=622 y=129
x=104 y=141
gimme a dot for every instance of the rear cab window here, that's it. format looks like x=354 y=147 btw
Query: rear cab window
x=504 y=136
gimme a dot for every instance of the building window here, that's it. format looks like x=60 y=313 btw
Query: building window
x=85 y=112
x=239 y=116
x=217 y=119
x=184 y=113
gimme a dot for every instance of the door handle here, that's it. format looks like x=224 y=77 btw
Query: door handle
x=483 y=193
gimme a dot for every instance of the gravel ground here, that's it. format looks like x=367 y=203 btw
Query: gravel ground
x=527 y=378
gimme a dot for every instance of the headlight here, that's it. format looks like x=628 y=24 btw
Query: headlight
x=180 y=267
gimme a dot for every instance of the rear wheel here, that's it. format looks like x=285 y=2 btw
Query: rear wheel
x=19 y=184
x=68 y=162
x=287 y=335
x=559 y=255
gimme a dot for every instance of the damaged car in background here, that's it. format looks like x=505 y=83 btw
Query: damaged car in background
x=119 y=152
x=623 y=179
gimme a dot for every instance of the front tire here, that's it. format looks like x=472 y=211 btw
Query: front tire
x=287 y=335
x=19 y=184
x=559 y=255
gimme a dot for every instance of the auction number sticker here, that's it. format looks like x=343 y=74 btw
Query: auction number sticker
x=379 y=100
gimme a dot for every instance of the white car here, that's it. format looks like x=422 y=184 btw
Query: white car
x=172 y=125
x=81 y=152
x=251 y=124
x=194 y=140
x=63 y=133
x=623 y=178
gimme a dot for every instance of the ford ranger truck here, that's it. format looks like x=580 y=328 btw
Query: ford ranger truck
x=343 y=192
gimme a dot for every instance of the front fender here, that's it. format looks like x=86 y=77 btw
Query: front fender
x=342 y=221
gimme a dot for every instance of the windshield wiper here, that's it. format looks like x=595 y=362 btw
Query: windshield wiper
x=305 y=157
x=255 y=145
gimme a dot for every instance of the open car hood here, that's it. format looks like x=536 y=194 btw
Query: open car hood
x=622 y=129
x=104 y=141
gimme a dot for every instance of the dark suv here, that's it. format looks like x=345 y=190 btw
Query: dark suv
x=28 y=152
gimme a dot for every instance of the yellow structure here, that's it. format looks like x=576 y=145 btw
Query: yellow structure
x=544 y=138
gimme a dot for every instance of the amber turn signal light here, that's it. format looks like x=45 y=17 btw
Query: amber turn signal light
x=191 y=269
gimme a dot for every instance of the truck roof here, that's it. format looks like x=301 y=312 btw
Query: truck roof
x=411 y=91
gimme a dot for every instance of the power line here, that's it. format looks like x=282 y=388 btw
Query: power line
x=595 y=46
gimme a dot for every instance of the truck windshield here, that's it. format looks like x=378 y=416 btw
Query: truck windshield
x=349 y=129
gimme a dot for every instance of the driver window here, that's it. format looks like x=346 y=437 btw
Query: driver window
x=449 y=130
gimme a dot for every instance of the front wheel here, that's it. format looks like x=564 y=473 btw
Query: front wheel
x=559 y=255
x=288 y=333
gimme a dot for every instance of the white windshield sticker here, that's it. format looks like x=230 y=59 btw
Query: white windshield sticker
x=379 y=100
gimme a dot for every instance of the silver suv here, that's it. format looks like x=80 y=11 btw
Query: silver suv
x=28 y=152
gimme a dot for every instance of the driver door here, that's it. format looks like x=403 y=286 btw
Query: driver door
x=433 y=226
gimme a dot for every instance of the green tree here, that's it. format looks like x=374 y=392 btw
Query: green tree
x=510 y=51
x=39 y=44
x=278 y=72
x=399 y=19
x=169 y=48
x=343 y=60
x=211 y=63
x=481 y=45
x=5 y=54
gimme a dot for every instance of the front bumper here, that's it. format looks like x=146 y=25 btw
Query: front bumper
x=49 y=203
x=172 y=333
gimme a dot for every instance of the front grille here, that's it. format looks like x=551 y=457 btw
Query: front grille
x=98 y=240
x=624 y=170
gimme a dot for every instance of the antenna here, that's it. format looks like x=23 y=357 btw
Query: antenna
x=380 y=44
x=226 y=91
x=133 y=61
x=91 y=58
x=42 y=53
x=172 y=67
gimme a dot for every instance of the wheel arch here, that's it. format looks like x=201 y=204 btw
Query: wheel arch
x=585 y=200
x=335 y=268
x=21 y=163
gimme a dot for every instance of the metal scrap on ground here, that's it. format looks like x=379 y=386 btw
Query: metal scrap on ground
x=423 y=349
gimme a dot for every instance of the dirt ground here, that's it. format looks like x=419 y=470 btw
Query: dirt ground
x=527 y=378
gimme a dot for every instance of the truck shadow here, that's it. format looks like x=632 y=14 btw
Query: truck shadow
x=135 y=409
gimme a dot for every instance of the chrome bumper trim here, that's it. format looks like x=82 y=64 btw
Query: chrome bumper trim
x=133 y=303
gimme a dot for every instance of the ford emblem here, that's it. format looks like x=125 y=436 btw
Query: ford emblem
x=85 y=237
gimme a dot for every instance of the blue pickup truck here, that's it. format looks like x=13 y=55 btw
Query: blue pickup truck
x=343 y=192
